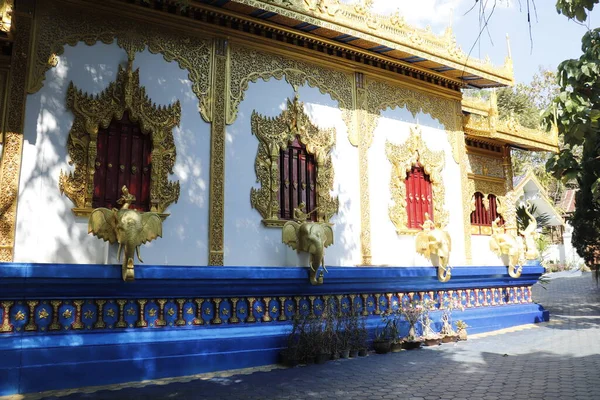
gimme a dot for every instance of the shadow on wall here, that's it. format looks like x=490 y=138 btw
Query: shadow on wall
x=247 y=241
x=47 y=230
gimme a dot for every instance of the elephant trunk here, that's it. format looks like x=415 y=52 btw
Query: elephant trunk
x=514 y=272
x=127 y=267
x=444 y=273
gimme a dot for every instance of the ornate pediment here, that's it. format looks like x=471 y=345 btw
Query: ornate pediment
x=403 y=157
x=277 y=133
x=93 y=112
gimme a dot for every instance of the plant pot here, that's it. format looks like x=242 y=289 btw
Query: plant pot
x=396 y=347
x=382 y=346
x=363 y=353
x=322 y=358
x=462 y=334
x=345 y=353
x=310 y=360
x=335 y=356
x=450 y=338
x=411 y=345
x=432 y=342
x=353 y=353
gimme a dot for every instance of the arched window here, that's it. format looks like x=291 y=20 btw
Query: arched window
x=298 y=180
x=486 y=210
x=123 y=158
x=419 y=197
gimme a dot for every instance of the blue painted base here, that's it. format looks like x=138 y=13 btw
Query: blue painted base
x=66 y=356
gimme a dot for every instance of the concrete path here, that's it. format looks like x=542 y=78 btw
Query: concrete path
x=555 y=360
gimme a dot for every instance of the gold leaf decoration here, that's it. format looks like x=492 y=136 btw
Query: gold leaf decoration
x=403 y=157
x=92 y=112
x=277 y=133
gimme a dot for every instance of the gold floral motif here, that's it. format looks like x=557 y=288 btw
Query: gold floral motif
x=89 y=314
x=6 y=10
x=68 y=313
x=388 y=30
x=19 y=316
x=277 y=133
x=290 y=308
x=92 y=112
x=43 y=314
x=190 y=311
x=131 y=311
x=207 y=311
x=486 y=166
x=110 y=312
x=152 y=312
x=10 y=162
x=403 y=157
x=171 y=311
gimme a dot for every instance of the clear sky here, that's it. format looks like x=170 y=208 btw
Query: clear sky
x=555 y=38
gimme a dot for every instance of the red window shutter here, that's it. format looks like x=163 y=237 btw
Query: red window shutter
x=123 y=159
x=494 y=209
x=419 y=197
x=298 y=180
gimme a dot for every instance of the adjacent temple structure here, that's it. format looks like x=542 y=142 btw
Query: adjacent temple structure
x=282 y=154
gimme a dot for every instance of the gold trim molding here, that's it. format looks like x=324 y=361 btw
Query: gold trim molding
x=277 y=133
x=10 y=163
x=358 y=20
x=95 y=111
x=403 y=157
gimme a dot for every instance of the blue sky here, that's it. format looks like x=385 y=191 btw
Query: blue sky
x=555 y=38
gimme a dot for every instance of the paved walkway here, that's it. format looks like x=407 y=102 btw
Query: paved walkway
x=559 y=359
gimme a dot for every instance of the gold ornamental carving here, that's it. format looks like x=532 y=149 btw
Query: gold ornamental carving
x=6 y=11
x=10 y=162
x=403 y=157
x=311 y=237
x=130 y=228
x=277 y=133
x=95 y=111
x=357 y=19
x=249 y=65
x=60 y=26
x=381 y=95
x=434 y=242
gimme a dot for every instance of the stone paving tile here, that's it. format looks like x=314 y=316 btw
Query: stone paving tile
x=552 y=360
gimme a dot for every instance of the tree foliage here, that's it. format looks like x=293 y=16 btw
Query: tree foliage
x=576 y=111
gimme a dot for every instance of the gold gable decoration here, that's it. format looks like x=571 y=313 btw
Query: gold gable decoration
x=403 y=157
x=277 y=133
x=95 y=111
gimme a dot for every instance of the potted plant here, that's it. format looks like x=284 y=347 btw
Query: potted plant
x=461 y=329
x=363 y=337
x=290 y=356
x=412 y=312
x=448 y=333
x=383 y=338
x=344 y=335
x=430 y=337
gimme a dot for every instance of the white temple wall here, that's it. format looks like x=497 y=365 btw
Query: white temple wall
x=47 y=229
x=387 y=247
x=247 y=241
x=482 y=255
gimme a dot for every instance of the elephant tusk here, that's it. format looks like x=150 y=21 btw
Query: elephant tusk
x=137 y=250
x=119 y=252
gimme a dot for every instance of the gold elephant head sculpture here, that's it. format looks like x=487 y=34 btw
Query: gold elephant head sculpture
x=435 y=241
x=129 y=228
x=503 y=243
x=311 y=237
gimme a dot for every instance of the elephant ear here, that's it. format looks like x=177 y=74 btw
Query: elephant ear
x=289 y=234
x=103 y=224
x=328 y=235
x=151 y=227
x=422 y=244
x=449 y=239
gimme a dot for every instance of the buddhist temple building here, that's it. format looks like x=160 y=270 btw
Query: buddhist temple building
x=263 y=158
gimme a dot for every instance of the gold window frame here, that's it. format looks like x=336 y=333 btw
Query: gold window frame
x=275 y=134
x=403 y=157
x=95 y=111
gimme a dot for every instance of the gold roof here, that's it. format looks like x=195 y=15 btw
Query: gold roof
x=387 y=36
x=481 y=120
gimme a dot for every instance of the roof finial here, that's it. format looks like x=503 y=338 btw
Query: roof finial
x=508 y=46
